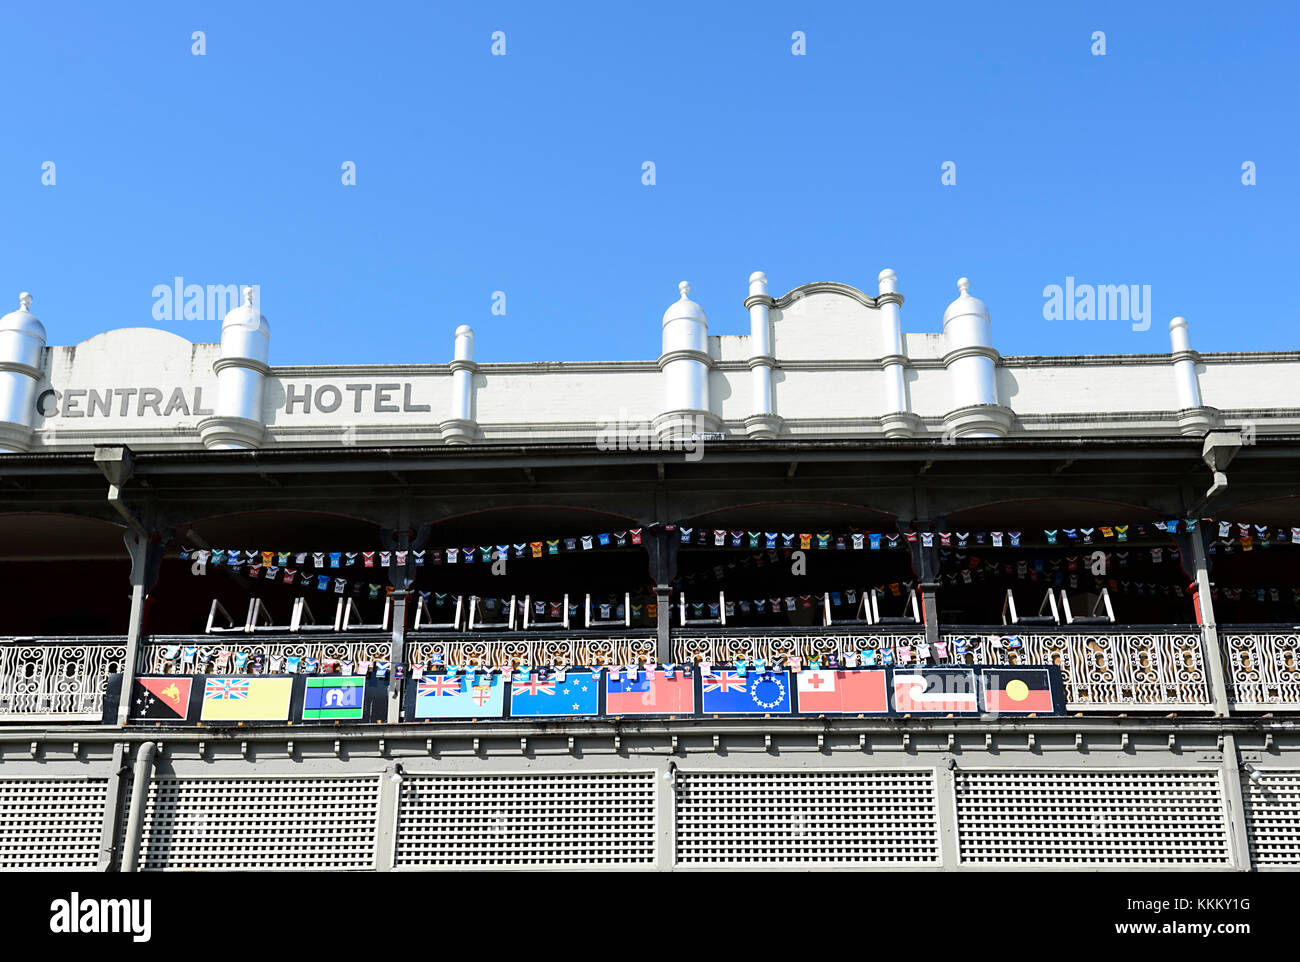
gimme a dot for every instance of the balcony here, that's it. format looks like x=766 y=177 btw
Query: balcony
x=1105 y=669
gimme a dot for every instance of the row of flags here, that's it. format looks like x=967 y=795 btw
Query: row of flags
x=1244 y=534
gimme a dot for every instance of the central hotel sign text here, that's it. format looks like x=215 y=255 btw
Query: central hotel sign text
x=385 y=397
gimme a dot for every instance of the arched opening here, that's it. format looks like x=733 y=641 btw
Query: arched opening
x=63 y=575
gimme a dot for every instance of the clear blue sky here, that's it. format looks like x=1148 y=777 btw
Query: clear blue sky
x=522 y=173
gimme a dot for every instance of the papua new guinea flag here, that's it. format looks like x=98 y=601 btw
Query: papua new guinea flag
x=164 y=698
x=753 y=693
x=577 y=694
x=1008 y=690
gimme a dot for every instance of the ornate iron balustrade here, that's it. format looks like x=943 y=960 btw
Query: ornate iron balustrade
x=352 y=647
x=56 y=679
x=1262 y=667
x=527 y=648
x=1119 y=669
x=755 y=644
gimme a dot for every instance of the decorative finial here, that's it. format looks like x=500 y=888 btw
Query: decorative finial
x=963 y=285
x=685 y=288
x=24 y=301
x=248 y=296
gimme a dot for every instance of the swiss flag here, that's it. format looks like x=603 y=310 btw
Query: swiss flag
x=842 y=692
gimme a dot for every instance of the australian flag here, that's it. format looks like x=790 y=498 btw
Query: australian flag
x=578 y=694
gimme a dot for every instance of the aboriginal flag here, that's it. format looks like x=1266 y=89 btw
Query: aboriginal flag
x=1009 y=690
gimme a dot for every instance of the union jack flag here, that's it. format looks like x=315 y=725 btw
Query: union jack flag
x=226 y=689
x=724 y=681
x=536 y=686
x=439 y=685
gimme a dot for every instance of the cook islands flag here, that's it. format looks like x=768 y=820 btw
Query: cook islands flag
x=761 y=693
x=578 y=694
x=457 y=696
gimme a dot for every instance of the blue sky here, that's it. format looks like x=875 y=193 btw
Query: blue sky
x=480 y=173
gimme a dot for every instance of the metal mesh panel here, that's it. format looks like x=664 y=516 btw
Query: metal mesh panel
x=534 y=820
x=261 y=823
x=807 y=817
x=1091 y=818
x=1273 y=817
x=51 y=823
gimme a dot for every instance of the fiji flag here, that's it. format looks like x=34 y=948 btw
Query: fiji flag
x=578 y=694
x=457 y=696
x=731 y=693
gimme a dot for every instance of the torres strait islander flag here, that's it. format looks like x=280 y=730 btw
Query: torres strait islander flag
x=650 y=693
x=934 y=690
x=1009 y=690
x=753 y=693
x=456 y=696
x=578 y=694
x=843 y=692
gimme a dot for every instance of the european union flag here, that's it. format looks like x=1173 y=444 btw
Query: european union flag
x=753 y=693
x=578 y=694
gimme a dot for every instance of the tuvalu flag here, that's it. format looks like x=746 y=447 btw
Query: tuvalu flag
x=1013 y=690
x=163 y=698
x=236 y=698
x=456 y=696
x=650 y=693
x=842 y=692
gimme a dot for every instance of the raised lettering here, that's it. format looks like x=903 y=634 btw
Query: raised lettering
x=328 y=407
x=104 y=403
x=357 y=390
x=199 y=409
x=71 y=398
x=406 y=401
x=150 y=397
x=383 y=404
x=290 y=399
x=125 y=393
x=177 y=401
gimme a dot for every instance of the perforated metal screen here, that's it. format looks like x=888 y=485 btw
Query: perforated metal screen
x=1273 y=817
x=51 y=823
x=261 y=823
x=1091 y=818
x=527 y=820
x=806 y=817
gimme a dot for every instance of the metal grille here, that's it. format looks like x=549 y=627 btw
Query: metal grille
x=527 y=820
x=57 y=679
x=778 y=818
x=1273 y=817
x=1091 y=818
x=1110 y=669
x=261 y=823
x=1263 y=668
x=371 y=647
x=723 y=648
x=51 y=823
x=526 y=650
